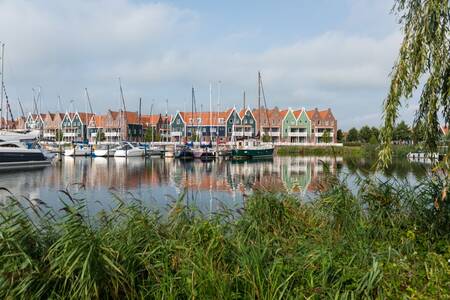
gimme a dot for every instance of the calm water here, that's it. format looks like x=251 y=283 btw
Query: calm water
x=159 y=181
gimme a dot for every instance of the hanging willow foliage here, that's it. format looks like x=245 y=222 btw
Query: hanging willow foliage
x=424 y=58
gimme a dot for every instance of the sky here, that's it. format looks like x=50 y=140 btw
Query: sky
x=334 y=54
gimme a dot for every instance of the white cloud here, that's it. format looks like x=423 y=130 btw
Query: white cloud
x=65 y=46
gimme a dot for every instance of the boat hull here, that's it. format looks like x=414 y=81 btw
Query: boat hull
x=77 y=152
x=129 y=153
x=24 y=165
x=252 y=153
x=104 y=152
x=184 y=155
x=19 y=156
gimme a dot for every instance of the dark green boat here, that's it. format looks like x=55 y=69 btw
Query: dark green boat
x=251 y=150
x=251 y=153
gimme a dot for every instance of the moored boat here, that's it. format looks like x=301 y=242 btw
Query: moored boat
x=128 y=149
x=16 y=155
x=78 y=150
x=184 y=153
x=251 y=149
x=105 y=150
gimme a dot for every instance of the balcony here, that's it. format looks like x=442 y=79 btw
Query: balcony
x=176 y=133
x=298 y=134
x=248 y=133
x=94 y=134
x=112 y=134
x=70 y=134
x=272 y=133
x=237 y=133
x=49 y=135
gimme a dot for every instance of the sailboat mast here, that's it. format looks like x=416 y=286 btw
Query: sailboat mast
x=210 y=113
x=151 y=126
x=192 y=114
x=139 y=117
x=259 y=104
x=124 y=113
x=21 y=108
x=2 y=86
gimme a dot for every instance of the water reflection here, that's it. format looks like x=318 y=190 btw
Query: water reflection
x=156 y=180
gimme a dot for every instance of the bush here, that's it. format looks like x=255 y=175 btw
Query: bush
x=389 y=240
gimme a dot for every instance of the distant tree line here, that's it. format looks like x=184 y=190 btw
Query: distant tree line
x=402 y=134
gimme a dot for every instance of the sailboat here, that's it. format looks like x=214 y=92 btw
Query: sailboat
x=253 y=148
x=186 y=152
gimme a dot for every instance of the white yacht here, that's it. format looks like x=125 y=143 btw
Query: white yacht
x=105 y=150
x=78 y=150
x=128 y=149
x=17 y=155
x=21 y=136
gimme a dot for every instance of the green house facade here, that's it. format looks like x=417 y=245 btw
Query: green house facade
x=296 y=127
x=177 y=128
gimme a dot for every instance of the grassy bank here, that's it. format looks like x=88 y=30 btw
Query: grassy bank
x=388 y=241
x=354 y=151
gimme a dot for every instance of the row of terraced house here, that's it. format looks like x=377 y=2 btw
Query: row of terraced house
x=287 y=125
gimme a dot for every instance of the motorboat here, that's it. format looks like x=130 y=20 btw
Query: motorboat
x=78 y=150
x=205 y=154
x=184 y=153
x=155 y=151
x=105 y=150
x=17 y=155
x=251 y=149
x=127 y=149
x=21 y=136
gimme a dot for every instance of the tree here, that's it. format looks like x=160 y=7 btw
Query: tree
x=373 y=140
x=266 y=138
x=326 y=137
x=59 y=135
x=340 y=136
x=151 y=135
x=353 y=135
x=100 y=136
x=364 y=134
x=375 y=133
x=418 y=133
x=402 y=133
x=423 y=58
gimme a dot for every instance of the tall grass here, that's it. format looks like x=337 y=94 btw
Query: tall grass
x=389 y=240
x=350 y=151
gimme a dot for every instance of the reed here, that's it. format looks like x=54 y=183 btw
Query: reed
x=388 y=240
x=357 y=150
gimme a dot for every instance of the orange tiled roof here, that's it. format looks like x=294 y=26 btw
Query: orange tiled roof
x=150 y=119
x=207 y=118
x=100 y=120
x=85 y=117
